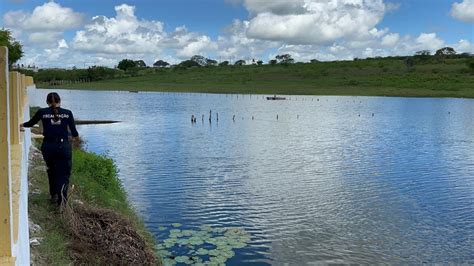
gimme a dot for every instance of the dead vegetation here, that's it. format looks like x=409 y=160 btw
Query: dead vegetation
x=104 y=236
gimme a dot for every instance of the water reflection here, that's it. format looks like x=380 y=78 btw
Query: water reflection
x=335 y=184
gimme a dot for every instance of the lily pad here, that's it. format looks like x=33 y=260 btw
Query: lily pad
x=202 y=251
x=214 y=245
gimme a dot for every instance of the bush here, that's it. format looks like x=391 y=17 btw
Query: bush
x=470 y=65
x=97 y=179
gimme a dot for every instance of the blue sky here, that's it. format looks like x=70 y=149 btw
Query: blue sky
x=64 y=33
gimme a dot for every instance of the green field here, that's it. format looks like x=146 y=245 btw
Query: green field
x=375 y=77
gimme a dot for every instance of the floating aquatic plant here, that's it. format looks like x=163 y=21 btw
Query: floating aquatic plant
x=204 y=246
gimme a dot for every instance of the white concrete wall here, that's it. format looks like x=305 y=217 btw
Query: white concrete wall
x=21 y=250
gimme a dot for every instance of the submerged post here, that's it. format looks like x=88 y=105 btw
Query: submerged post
x=6 y=228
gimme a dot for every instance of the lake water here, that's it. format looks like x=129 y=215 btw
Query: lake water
x=334 y=179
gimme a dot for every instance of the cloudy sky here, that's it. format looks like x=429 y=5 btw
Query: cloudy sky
x=90 y=32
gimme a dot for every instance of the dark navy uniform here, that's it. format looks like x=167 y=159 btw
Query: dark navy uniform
x=56 y=148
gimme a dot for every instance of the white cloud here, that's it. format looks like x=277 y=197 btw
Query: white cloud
x=126 y=34
x=44 y=38
x=313 y=21
x=385 y=44
x=199 y=46
x=235 y=44
x=390 y=39
x=463 y=11
x=428 y=41
x=464 y=46
x=45 y=25
x=306 y=29
x=186 y=44
x=47 y=17
x=279 y=7
x=121 y=34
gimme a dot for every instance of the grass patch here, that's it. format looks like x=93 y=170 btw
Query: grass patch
x=377 y=77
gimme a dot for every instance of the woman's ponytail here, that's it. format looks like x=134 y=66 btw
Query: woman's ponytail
x=54 y=101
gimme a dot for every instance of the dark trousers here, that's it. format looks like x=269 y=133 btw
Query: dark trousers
x=58 y=157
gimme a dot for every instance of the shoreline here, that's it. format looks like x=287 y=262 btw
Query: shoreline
x=253 y=93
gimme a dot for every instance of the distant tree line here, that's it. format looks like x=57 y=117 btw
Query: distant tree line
x=129 y=67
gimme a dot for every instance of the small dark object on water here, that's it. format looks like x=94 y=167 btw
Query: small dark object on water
x=93 y=122
x=276 y=98
x=297 y=116
x=133 y=91
x=252 y=117
x=372 y=114
x=233 y=118
x=277 y=117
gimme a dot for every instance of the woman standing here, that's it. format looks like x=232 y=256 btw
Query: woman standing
x=56 y=149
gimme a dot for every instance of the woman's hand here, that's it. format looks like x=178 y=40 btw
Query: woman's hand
x=22 y=129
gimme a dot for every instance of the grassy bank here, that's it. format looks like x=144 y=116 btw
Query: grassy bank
x=377 y=77
x=96 y=187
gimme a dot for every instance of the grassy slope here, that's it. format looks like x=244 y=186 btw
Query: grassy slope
x=382 y=77
x=96 y=183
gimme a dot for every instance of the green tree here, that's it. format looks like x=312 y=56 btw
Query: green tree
x=201 y=60
x=470 y=65
x=445 y=51
x=423 y=53
x=126 y=64
x=224 y=63
x=409 y=63
x=272 y=62
x=189 y=63
x=140 y=63
x=211 y=62
x=284 y=59
x=161 y=63
x=259 y=62
x=239 y=62
x=15 y=49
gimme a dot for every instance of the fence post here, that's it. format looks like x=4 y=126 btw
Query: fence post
x=6 y=238
x=25 y=95
x=14 y=108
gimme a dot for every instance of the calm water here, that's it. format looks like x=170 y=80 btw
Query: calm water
x=327 y=186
